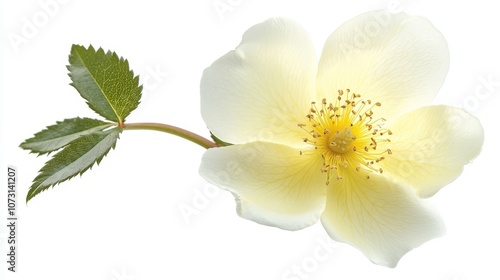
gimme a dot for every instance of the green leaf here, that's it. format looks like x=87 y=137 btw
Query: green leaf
x=62 y=133
x=105 y=81
x=218 y=141
x=76 y=158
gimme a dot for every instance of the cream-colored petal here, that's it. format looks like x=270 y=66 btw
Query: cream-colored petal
x=396 y=59
x=430 y=146
x=273 y=184
x=381 y=218
x=263 y=89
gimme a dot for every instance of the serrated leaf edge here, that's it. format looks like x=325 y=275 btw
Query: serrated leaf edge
x=36 y=188
x=119 y=119
x=26 y=144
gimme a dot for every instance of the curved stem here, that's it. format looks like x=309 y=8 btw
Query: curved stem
x=188 y=135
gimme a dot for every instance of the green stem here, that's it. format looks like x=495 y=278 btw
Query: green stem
x=188 y=135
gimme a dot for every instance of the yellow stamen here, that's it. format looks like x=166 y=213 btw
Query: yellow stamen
x=346 y=135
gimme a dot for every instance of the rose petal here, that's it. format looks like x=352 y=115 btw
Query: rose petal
x=273 y=184
x=264 y=88
x=396 y=59
x=383 y=219
x=430 y=146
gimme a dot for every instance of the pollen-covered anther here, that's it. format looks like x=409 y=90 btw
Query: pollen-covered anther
x=309 y=141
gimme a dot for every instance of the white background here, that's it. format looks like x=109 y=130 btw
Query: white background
x=123 y=220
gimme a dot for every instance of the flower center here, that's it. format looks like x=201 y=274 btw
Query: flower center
x=340 y=141
x=346 y=135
